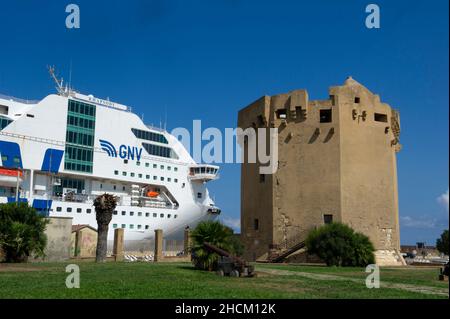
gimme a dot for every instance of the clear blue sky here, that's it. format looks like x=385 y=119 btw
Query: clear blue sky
x=207 y=59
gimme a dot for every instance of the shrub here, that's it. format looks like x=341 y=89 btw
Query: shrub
x=21 y=232
x=442 y=244
x=339 y=245
x=217 y=234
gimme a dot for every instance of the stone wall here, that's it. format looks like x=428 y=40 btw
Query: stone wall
x=58 y=233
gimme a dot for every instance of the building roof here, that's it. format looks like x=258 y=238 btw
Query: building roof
x=78 y=227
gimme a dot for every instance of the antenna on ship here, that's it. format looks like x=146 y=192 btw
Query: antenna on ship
x=59 y=83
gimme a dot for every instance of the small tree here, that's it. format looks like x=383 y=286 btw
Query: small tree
x=215 y=233
x=442 y=244
x=104 y=208
x=21 y=232
x=339 y=245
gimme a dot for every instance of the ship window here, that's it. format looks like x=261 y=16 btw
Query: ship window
x=115 y=212
x=125 y=161
x=69 y=209
x=149 y=136
x=124 y=226
x=124 y=213
x=147 y=164
x=147 y=214
x=131 y=226
x=78 y=210
x=139 y=213
x=4 y=158
x=169 y=179
x=30 y=115
x=327 y=219
x=114 y=187
x=175 y=216
x=138 y=163
x=325 y=116
x=116 y=172
x=124 y=173
x=175 y=180
x=155 y=166
x=161 y=215
x=378 y=117
x=101 y=186
x=158 y=150
x=147 y=176
x=357 y=99
x=168 y=216
x=88 y=210
x=58 y=209
x=169 y=168
x=199 y=195
x=162 y=178
x=139 y=226
x=161 y=167
x=256 y=224
x=114 y=225
x=175 y=169
x=155 y=215
x=123 y=188
x=155 y=177
x=132 y=174
x=146 y=226
x=140 y=175
x=131 y=213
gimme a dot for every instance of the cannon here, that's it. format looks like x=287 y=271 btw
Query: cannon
x=229 y=265
x=444 y=272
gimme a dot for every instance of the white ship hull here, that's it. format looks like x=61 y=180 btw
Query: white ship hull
x=67 y=149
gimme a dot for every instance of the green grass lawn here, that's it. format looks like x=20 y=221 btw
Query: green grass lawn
x=180 y=280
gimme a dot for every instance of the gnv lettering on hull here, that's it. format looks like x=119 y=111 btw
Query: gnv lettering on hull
x=128 y=152
x=125 y=151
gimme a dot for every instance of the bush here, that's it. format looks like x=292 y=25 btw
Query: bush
x=339 y=245
x=217 y=234
x=442 y=244
x=21 y=232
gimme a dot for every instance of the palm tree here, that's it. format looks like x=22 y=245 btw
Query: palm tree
x=104 y=208
x=214 y=233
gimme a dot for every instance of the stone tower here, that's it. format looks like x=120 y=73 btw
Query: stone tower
x=336 y=162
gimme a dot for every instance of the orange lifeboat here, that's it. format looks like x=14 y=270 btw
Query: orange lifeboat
x=152 y=194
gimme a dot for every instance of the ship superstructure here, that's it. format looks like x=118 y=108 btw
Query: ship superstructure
x=61 y=152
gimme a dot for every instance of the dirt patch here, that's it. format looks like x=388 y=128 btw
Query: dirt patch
x=16 y=268
x=413 y=288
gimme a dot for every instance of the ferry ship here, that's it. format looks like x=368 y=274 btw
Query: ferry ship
x=59 y=153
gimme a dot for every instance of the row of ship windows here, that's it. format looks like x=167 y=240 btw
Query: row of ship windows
x=169 y=179
x=123 y=213
x=169 y=168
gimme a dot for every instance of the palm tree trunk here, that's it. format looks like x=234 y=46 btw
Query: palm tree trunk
x=102 y=243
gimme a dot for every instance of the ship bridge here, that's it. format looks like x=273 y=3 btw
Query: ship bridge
x=203 y=172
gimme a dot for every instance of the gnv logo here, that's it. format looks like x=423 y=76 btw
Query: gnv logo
x=125 y=152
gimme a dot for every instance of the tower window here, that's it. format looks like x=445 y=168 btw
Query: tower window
x=357 y=99
x=281 y=114
x=262 y=178
x=256 y=224
x=199 y=195
x=378 y=117
x=325 y=116
x=327 y=219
